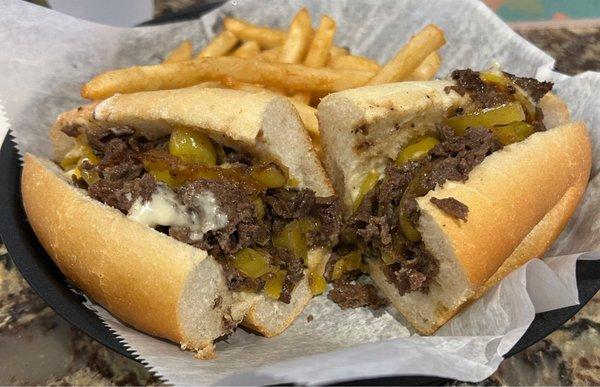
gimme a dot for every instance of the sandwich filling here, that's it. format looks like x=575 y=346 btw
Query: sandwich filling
x=244 y=211
x=383 y=226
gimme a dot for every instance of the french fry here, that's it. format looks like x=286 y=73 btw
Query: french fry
x=318 y=51
x=427 y=69
x=428 y=40
x=353 y=62
x=298 y=38
x=308 y=115
x=249 y=87
x=302 y=97
x=337 y=51
x=270 y=55
x=249 y=49
x=265 y=37
x=181 y=53
x=220 y=45
x=192 y=72
x=211 y=85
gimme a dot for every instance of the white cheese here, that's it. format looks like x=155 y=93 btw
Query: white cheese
x=211 y=217
x=165 y=209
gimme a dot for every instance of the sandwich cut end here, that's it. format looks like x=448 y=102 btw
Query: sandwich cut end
x=149 y=280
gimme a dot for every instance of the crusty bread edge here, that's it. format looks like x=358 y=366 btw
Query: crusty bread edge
x=55 y=209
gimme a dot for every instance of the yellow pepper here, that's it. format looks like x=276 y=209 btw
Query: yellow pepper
x=70 y=161
x=88 y=176
x=164 y=176
x=269 y=175
x=416 y=150
x=316 y=282
x=293 y=237
x=260 y=208
x=513 y=132
x=192 y=147
x=368 y=183
x=501 y=115
x=338 y=269
x=495 y=77
x=274 y=284
x=410 y=231
x=498 y=78
x=349 y=262
x=387 y=258
x=252 y=263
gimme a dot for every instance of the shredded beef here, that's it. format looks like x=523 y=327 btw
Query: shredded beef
x=376 y=221
x=487 y=95
x=285 y=260
x=452 y=207
x=120 y=161
x=121 y=194
x=482 y=94
x=243 y=228
x=290 y=203
x=414 y=270
x=532 y=86
x=328 y=210
x=123 y=180
x=355 y=294
x=234 y=157
x=99 y=137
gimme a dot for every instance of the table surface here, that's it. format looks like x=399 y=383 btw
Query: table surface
x=38 y=347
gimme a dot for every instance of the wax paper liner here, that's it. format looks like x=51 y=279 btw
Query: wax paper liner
x=47 y=56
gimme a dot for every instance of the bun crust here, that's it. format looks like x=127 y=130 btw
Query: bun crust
x=110 y=257
x=519 y=198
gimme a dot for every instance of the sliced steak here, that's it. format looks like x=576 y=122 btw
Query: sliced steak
x=452 y=207
x=355 y=294
x=121 y=194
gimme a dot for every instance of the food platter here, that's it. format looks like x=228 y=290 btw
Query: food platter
x=50 y=284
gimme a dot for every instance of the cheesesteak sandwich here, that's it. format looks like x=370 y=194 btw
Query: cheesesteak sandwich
x=185 y=212
x=448 y=186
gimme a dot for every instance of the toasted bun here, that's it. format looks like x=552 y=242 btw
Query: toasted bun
x=111 y=258
x=519 y=200
x=262 y=124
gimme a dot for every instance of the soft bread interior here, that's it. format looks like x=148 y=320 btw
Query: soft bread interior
x=149 y=280
x=362 y=128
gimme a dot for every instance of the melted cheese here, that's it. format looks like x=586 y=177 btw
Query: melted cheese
x=165 y=209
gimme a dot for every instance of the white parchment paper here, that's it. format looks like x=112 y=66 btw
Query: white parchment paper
x=45 y=57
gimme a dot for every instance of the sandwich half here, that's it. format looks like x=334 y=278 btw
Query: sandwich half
x=447 y=186
x=186 y=212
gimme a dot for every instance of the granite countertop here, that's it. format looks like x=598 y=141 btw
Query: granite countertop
x=38 y=347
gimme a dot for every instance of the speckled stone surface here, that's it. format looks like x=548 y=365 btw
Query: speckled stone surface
x=38 y=347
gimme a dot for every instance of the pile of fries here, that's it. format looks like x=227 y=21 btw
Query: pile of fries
x=301 y=63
